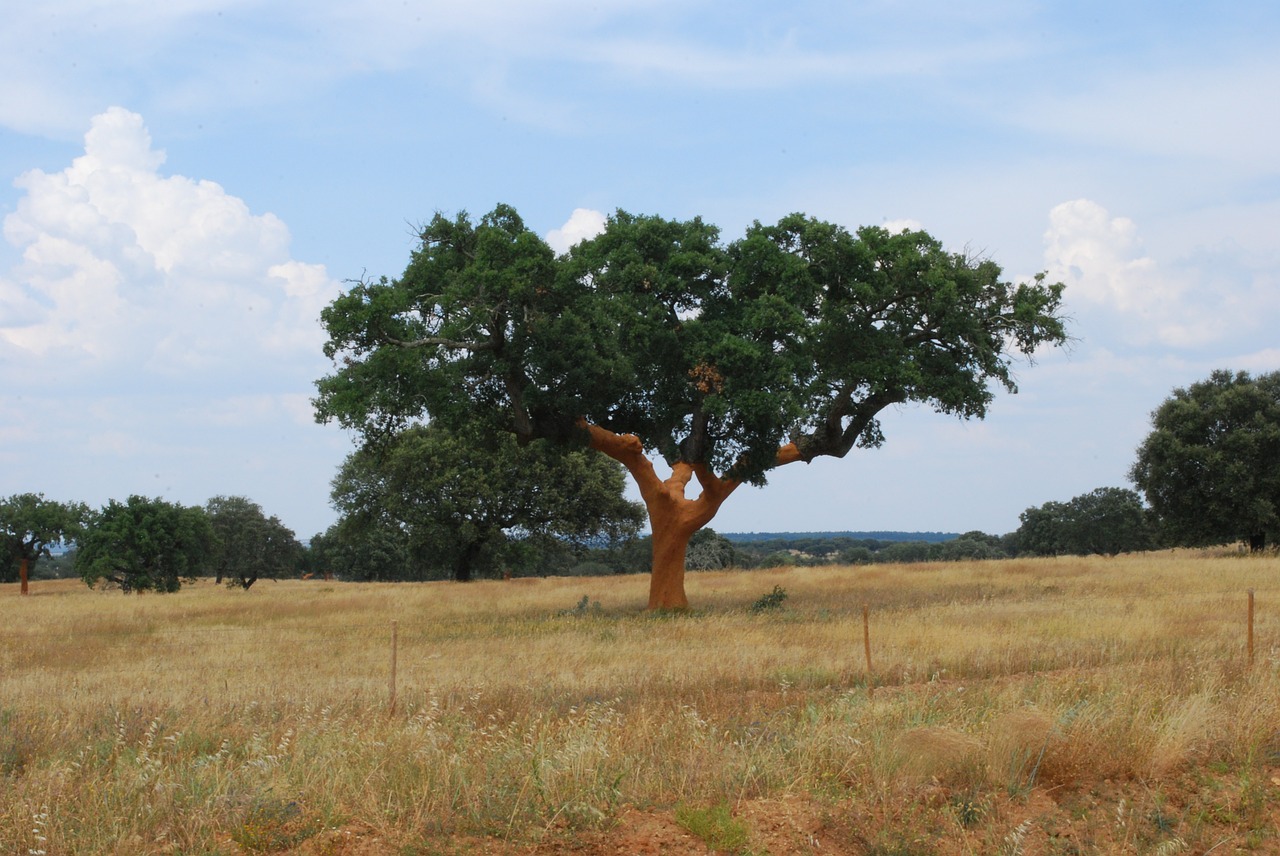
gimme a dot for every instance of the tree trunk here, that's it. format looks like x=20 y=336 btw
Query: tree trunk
x=22 y=574
x=666 y=582
x=462 y=567
x=672 y=516
x=1257 y=543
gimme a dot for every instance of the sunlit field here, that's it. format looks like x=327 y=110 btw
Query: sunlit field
x=1056 y=706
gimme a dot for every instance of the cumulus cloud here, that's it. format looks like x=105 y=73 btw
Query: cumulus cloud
x=121 y=264
x=582 y=224
x=1101 y=259
x=156 y=335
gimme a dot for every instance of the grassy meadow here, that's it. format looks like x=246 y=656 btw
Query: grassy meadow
x=1048 y=706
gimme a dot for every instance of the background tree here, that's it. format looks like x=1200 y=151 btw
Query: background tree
x=29 y=525
x=1210 y=468
x=970 y=546
x=709 y=551
x=248 y=545
x=360 y=550
x=466 y=500
x=655 y=339
x=1106 y=521
x=145 y=545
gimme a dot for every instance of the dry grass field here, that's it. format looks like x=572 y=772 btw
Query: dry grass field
x=1068 y=706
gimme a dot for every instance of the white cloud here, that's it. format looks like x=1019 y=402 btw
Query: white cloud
x=121 y=264
x=582 y=224
x=905 y=224
x=1100 y=257
x=1102 y=261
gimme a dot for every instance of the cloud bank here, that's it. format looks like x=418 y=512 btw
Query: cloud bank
x=164 y=313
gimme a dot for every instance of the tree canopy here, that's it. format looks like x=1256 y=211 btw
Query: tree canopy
x=655 y=338
x=248 y=545
x=145 y=545
x=29 y=525
x=463 y=499
x=1210 y=468
x=1106 y=521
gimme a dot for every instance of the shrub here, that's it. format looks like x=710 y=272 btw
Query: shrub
x=772 y=600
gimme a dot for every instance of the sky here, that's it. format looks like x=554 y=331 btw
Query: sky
x=185 y=184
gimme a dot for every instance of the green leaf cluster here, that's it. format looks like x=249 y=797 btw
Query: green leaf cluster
x=145 y=544
x=713 y=353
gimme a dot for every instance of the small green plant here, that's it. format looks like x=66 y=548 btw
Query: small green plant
x=586 y=606
x=772 y=600
x=969 y=809
x=715 y=826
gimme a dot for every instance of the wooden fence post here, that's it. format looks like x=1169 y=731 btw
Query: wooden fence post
x=1250 y=642
x=866 y=643
x=395 y=642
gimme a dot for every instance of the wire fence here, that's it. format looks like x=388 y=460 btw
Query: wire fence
x=377 y=657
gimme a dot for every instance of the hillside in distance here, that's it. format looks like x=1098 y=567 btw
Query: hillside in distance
x=930 y=537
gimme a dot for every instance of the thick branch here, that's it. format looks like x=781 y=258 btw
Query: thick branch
x=443 y=342
x=833 y=439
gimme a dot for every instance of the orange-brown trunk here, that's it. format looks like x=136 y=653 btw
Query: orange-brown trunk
x=666 y=582
x=22 y=573
x=672 y=516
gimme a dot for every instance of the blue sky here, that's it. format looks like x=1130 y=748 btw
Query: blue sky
x=183 y=185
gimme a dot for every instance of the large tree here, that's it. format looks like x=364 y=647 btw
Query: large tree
x=654 y=338
x=248 y=545
x=1210 y=468
x=460 y=496
x=29 y=525
x=145 y=544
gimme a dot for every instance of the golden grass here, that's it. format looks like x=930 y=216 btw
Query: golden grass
x=213 y=721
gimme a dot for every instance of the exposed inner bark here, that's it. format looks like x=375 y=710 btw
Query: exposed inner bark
x=673 y=516
x=22 y=574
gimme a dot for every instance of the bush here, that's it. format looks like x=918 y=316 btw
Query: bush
x=770 y=601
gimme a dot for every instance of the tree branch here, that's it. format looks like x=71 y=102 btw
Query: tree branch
x=443 y=342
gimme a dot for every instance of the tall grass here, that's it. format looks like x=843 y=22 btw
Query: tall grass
x=213 y=721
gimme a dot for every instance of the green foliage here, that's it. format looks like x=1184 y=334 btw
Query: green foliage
x=248 y=545
x=708 y=353
x=708 y=551
x=586 y=606
x=716 y=827
x=1106 y=521
x=771 y=601
x=145 y=545
x=29 y=525
x=358 y=552
x=460 y=502
x=1210 y=468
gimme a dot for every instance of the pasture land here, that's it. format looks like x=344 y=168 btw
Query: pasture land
x=1055 y=706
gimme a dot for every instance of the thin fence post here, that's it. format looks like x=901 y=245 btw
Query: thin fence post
x=395 y=643
x=1250 y=643
x=866 y=644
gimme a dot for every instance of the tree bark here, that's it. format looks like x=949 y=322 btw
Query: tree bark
x=22 y=574
x=673 y=517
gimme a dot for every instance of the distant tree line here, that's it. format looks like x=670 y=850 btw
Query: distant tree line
x=427 y=504
x=144 y=543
